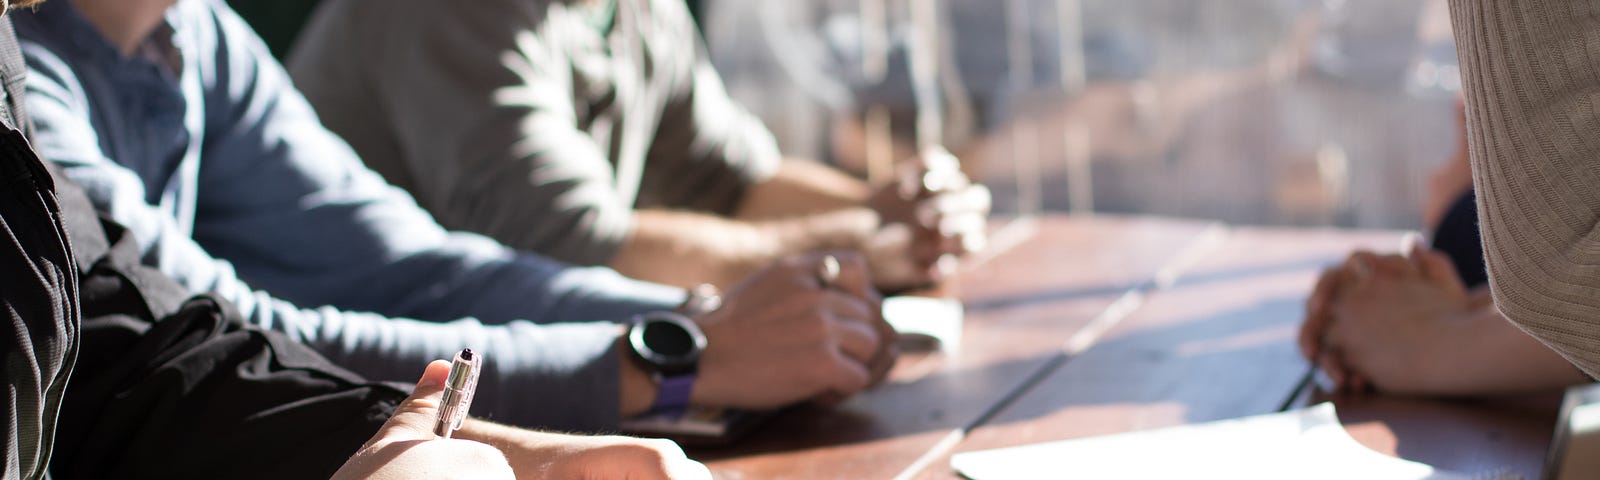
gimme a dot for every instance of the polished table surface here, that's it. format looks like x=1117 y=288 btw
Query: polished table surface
x=1081 y=326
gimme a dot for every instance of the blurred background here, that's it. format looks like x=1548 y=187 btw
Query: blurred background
x=1284 y=112
x=1272 y=112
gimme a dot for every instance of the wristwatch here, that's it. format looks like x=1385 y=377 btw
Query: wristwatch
x=668 y=345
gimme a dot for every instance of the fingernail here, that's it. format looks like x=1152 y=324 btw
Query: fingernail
x=1361 y=268
x=974 y=243
x=1411 y=243
x=429 y=381
x=947 y=265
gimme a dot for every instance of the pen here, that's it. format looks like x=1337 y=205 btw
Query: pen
x=458 y=391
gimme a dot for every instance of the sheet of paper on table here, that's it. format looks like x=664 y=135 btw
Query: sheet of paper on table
x=1308 y=443
x=926 y=323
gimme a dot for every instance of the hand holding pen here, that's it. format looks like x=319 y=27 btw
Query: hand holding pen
x=406 y=445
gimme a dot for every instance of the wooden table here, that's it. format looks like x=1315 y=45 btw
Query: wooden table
x=1093 y=325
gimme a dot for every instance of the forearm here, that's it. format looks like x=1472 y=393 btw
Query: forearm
x=529 y=452
x=686 y=249
x=802 y=187
x=1487 y=355
x=560 y=456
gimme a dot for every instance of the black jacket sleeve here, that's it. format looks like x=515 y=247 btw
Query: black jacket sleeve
x=173 y=387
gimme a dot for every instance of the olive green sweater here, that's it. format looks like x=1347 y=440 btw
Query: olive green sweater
x=524 y=121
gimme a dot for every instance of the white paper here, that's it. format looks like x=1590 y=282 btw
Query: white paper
x=1306 y=444
x=935 y=322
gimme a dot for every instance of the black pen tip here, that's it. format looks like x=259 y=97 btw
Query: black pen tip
x=466 y=354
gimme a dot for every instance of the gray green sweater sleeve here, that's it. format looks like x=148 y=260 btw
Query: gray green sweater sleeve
x=1531 y=74
x=518 y=120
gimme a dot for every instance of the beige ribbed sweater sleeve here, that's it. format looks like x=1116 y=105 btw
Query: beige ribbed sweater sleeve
x=1531 y=74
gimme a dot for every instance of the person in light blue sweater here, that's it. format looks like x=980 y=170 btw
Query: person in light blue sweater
x=180 y=125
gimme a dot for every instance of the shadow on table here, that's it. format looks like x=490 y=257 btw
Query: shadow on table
x=1479 y=437
x=1212 y=365
x=1063 y=295
x=1221 y=365
x=937 y=402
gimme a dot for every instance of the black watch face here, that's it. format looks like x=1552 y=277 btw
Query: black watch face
x=668 y=339
x=670 y=343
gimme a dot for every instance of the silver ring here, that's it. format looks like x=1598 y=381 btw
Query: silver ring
x=828 y=271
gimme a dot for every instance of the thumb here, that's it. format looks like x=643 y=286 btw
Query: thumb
x=416 y=415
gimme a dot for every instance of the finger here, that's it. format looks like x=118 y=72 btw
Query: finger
x=668 y=462
x=881 y=365
x=888 y=346
x=854 y=279
x=954 y=225
x=1317 y=317
x=1359 y=269
x=1439 y=270
x=846 y=376
x=942 y=170
x=974 y=241
x=928 y=247
x=416 y=415
x=1393 y=265
x=943 y=268
x=1412 y=246
x=1332 y=363
x=938 y=180
x=682 y=468
x=868 y=315
x=974 y=199
x=947 y=232
x=952 y=213
x=1359 y=383
x=1333 y=371
x=934 y=170
x=856 y=338
x=1410 y=243
x=913 y=180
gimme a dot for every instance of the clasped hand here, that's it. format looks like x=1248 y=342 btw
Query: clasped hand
x=931 y=215
x=1385 y=321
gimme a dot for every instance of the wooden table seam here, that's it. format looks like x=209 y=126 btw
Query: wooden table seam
x=1163 y=278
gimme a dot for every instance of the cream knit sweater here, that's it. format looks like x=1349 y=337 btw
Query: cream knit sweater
x=1531 y=74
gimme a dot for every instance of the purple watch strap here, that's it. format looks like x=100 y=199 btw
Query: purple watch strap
x=672 y=396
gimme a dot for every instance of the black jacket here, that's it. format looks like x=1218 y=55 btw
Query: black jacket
x=161 y=385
